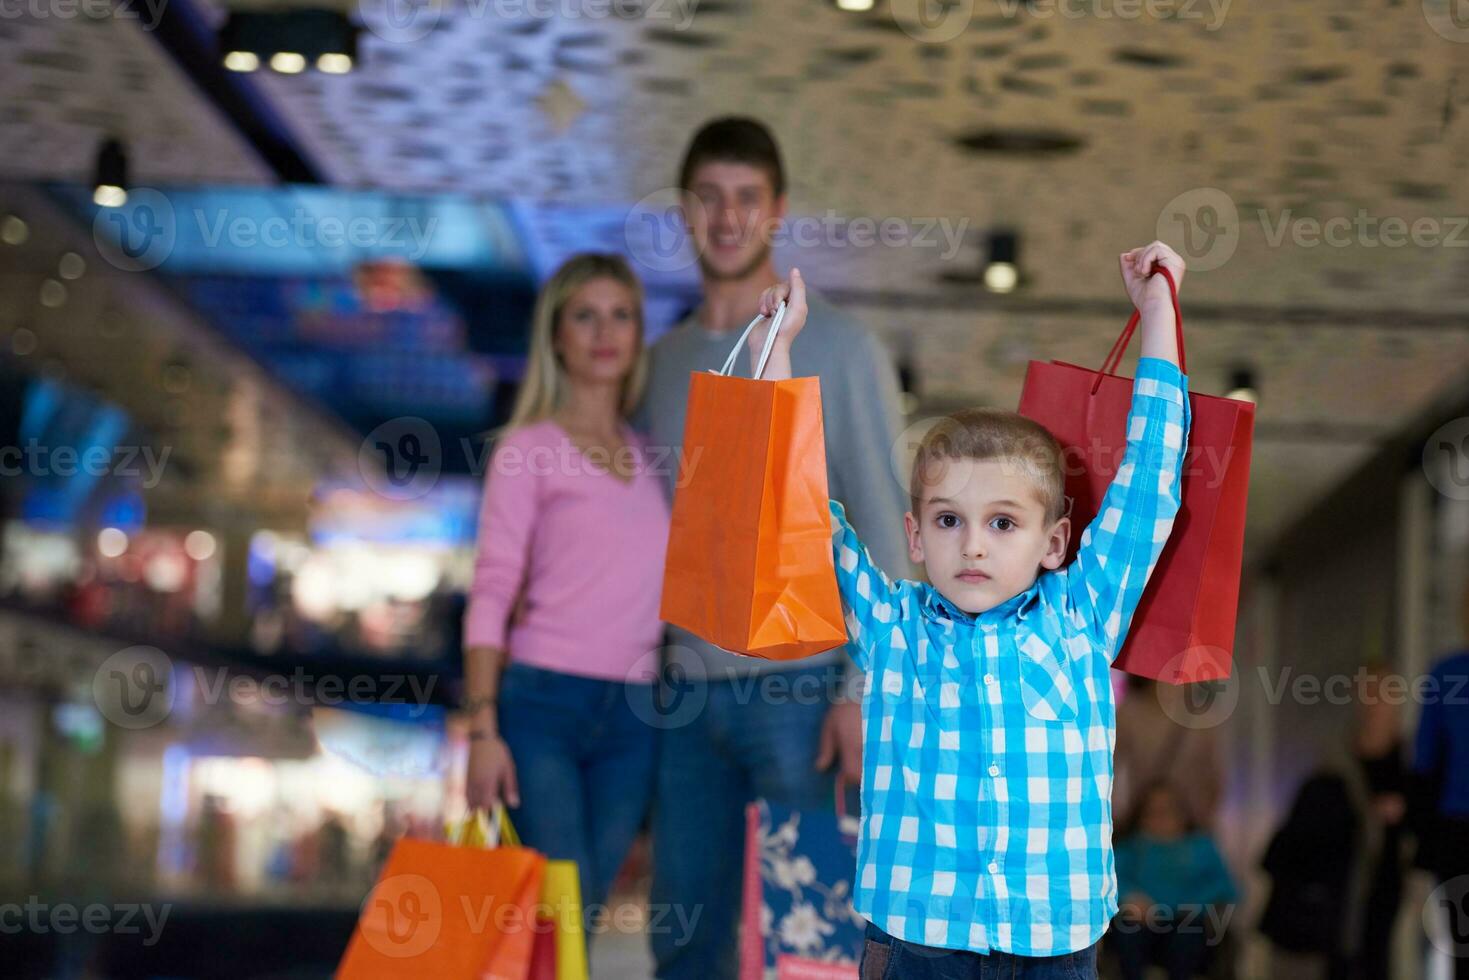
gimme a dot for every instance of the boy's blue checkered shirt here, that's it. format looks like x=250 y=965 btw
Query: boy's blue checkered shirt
x=987 y=740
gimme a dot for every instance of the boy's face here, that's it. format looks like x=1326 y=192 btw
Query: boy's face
x=981 y=531
x=733 y=217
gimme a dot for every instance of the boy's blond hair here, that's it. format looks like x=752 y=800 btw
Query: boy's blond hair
x=990 y=433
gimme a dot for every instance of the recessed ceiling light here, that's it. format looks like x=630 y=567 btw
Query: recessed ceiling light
x=242 y=61
x=109 y=196
x=288 y=62
x=111 y=175
x=335 y=64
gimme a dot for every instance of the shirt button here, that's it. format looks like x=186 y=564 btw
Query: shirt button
x=994 y=770
x=989 y=678
x=994 y=868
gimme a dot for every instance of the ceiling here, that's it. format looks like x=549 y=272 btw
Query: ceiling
x=1226 y=130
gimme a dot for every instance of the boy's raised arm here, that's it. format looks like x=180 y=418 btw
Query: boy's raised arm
x=1120 y=547
x=870 y=598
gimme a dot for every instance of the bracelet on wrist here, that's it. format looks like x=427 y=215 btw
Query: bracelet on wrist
x=473 y=706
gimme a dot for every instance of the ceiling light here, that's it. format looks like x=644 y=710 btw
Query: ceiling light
x=1242 y=386
x=288 y=62
x=242 y=61
x=111 y=178
x=1002 y=271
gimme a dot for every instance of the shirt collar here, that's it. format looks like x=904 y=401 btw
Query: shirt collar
x=1016 y=607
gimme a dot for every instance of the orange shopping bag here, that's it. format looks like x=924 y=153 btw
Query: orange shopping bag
x=749 y=550
x=448 y=912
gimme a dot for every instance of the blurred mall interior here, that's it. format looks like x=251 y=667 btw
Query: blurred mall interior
x=267 y=276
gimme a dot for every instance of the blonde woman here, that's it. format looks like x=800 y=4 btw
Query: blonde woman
x=573 y=527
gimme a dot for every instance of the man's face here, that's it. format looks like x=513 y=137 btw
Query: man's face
x=981 y=531
x=732 y=218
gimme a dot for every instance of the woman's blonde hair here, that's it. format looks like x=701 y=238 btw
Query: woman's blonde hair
x=544 y=386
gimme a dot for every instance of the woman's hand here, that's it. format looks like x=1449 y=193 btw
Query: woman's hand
x=793 y=294
x=1144 y=288
x=491 y=775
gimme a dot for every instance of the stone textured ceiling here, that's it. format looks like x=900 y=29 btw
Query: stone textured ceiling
x=1214 y=129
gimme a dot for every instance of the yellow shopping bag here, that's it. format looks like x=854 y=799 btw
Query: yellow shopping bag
x=560 y=914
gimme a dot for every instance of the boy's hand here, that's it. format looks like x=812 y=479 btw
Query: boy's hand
x=1149 y=294
x=1145 y=289
x=793 y=294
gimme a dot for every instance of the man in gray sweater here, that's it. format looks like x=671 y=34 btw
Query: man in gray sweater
x=738 y=727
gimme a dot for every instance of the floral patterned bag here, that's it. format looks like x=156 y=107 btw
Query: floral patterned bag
x=798 y=922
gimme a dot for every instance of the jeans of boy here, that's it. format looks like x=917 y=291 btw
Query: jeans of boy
x=584 y=760
x=887 y=958
x=724 y=743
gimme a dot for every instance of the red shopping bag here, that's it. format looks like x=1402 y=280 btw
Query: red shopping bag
x=1183 y=629
x=543 y=952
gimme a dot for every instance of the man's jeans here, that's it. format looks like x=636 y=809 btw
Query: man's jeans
x=725 y=743
x=886 y=958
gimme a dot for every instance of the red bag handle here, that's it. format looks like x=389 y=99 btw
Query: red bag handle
x=1114 y=356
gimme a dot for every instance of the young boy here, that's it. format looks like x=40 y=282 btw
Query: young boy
x=988 y=722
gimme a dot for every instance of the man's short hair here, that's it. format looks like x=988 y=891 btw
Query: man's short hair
x=734 y=139
x=990 y=433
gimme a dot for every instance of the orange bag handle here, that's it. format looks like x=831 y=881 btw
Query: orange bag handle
x=1114 y=356
x=780 y=313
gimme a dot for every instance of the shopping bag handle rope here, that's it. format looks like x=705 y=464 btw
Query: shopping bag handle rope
x=495 y=826
x=1114 y=356
x=780 y=312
